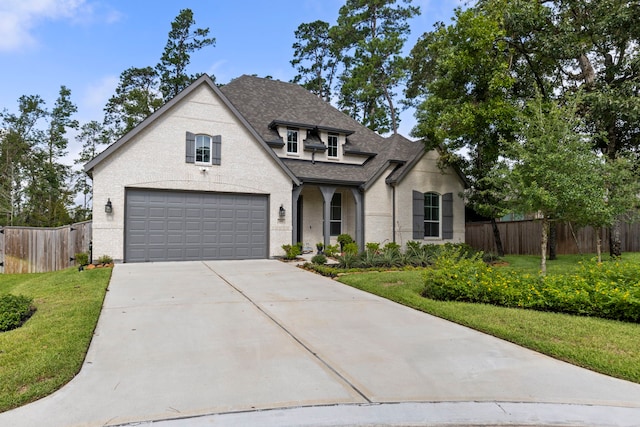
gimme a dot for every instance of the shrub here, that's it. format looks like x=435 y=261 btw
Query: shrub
x=343 y=240
x=351 y=248
x=14 y=311
x=348 y=260
x=105 y=259
x=610 y=291
x=393 y=246
x=372 y=247
x=82 y=258
x=291 y=251
x=319 y=259
x=331 y=250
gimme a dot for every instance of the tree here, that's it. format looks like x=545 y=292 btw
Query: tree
x=176 y=56
x=92 y=135
x=372 y=33
x=315 y=58
x=19 y=137
x=461 y=84
x=137 y=97
x=566 y=45
x=554 y=171
x=48 y=183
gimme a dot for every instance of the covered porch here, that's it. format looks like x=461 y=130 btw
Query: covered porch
x=321 y=212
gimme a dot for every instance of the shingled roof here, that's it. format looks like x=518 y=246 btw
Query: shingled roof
x=263 y=102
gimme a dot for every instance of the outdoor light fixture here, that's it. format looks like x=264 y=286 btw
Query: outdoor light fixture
x=108 y=208
x=282 y=211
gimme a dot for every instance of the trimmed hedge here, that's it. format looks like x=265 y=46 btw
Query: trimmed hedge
x=608 y=290
x=14 y=311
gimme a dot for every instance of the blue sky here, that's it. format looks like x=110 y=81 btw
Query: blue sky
x=86 y=44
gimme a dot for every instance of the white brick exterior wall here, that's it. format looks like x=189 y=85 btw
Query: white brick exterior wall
x=155 y=159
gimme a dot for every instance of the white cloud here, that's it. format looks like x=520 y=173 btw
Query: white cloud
x=18 y=18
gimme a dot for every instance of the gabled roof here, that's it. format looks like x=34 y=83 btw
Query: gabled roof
x=203 y=80
x=266 y=103
x=263 y=104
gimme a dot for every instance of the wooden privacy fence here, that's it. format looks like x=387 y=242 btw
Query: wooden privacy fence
x=39 y=250
x=523 y=237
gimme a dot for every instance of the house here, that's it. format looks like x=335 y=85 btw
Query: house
x=235 y=172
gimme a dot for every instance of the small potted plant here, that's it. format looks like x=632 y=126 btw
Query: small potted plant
x=320 y=247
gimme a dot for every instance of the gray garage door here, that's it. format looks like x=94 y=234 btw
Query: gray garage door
x=181 y=226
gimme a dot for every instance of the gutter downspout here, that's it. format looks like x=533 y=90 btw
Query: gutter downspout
x=393 y=212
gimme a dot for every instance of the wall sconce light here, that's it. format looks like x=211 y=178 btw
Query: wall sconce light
x=282 y=212
x=108 y=208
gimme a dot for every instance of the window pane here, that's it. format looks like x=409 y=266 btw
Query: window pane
x=292 y=141
x=332 y=146
x=431 y=215
x=335 y=228
x=203 y=149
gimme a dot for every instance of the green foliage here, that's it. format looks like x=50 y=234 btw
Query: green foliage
x=344 y=238
x=291 y=251
x=609 y=291
x=320 y=246
x=105 y=259
x=348 y=259
x=372 y=247
x=182 y=41
x=14 y=311
x=331 y=250
x=319 y=259
x=82 y=258
x=351 y=248
x=315 y=58
x=371 y=35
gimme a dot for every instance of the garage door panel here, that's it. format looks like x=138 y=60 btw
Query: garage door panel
x=171 y=225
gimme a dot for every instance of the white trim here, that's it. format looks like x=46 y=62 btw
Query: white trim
x=201 y=163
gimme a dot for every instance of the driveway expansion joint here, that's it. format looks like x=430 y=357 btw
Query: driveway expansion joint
x=295 y=338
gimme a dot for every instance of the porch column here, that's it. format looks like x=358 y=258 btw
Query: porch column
x=295 y=194
x=358 y=198
x=327 y=195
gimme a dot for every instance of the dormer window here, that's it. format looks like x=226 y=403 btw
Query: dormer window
x=332 y=145
x=292 y=141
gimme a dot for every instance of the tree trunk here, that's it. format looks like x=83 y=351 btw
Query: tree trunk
x=553 y=241
x=496 y=237
x=598 y=244
x=543 y=246
x=615 y=242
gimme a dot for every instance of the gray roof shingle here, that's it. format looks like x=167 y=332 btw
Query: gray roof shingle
x=263 y=102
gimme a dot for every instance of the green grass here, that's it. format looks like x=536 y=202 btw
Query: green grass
x=605 y=346
x=48 y=350
x=564 y=263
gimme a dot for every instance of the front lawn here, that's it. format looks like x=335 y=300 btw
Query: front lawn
x=48 y=350
x=606 y=346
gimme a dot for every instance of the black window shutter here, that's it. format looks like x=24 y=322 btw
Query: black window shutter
x=447 y=216
x=190 y=148
x=216 y=150
x=418 y=215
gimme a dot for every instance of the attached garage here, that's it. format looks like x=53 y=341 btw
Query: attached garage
x=181 y=226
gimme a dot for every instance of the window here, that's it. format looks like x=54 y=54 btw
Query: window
x=332 y=145
x=292 y=141
x=203 y=149
x=431 y=215
x=335 y=223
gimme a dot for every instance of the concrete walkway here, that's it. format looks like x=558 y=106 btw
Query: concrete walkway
x=265 y=343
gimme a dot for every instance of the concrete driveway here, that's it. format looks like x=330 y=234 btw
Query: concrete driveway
x=265 y=343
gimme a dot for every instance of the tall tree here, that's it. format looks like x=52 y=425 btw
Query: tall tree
x=48 y=187
x=20 y=134
x=92 y=135
x=315 y=58
x=594 y=46
x=177 y=53
x=372 y=33
x=461 y=84
x=137 y=97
